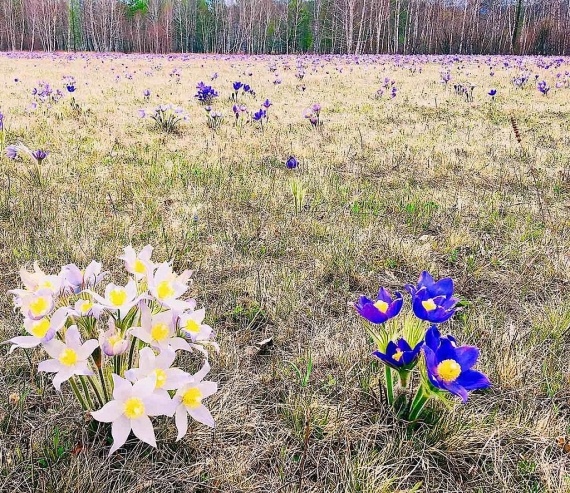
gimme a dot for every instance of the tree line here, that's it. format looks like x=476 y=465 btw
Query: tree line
x=288 y=26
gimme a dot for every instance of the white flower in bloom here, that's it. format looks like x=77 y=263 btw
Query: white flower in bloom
x=139 y=264
x=159 y=330
x=130 y=410
x=189 y=401
x=41 y=331
x=159 y=365
x=167 y=287
x=69 y=358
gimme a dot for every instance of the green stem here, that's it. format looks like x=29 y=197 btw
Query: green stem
x=404 y=376
x=97 y=393
x=104 y=385
x=389 y=384
x=77 y=393
x=420 y=400
x=86 y=390
x=132 y=352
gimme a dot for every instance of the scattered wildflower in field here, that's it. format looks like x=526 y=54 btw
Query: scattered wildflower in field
x=445 y=77
x=39 y=155
x=166 y=116
x=69 y=83
x=313 y=114
x=260 y=116
x=135 y=329
x=291 y=162
x=543 y=87
x=215 y=119
x=492 y=93
x=146 y=93
x=266 y=104
x=1 y=121
x=205 y=94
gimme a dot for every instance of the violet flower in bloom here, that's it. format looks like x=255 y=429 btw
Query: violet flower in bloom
x=492 y=93
x=12 y=152
x=400 y=355
x=449 y=368
x=383 y=309
x=40 y=155
x=433 y=301
x=266 y=104
x=291 y=162
x=146 y=93
x=1 y=122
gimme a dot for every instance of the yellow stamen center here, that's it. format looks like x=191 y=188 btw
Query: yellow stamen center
x=164 y=290
x=160 y=332
x=40 y=328
x=139 y=267
x=115 y=339
x=192 y=398
x=47 y=284
x=192 y=326
x=382 y=306
x=118 y=296
x=68 y=357
x=160 y=377
x=449 y=370
x=85 y=306
x=39 y=306
x=397 y=356
x=133 y=408
x=429 y=305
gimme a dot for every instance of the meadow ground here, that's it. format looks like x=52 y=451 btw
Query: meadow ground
x=425 y=180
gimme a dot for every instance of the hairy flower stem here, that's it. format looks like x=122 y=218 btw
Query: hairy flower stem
x=78 y=394
x=420 y=400
x=103 y=385
x=86 y=390
x=389 y=384
x=97 y=393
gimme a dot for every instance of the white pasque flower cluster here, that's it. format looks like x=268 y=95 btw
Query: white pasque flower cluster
x=145 y=322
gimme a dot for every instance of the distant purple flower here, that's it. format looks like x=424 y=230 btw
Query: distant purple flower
x=266 y=104
x=237 y=85
x=291 y=162
x=205 y=93
x=259 y=115
x=214 y=76
x=1 y=122
x=40 y=155
x=316 y=108
x=12 y=152
x=543 y=87
x=208 y=109
x=70 y=88
x=492 y=93
x=142 y=113
x=146 y=93
x=246 y=88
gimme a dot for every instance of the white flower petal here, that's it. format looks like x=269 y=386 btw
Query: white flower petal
x=202 y=415
x=142 y=428
x=54 y=348
x=72 y=337
x=179 y=343
x=165 y=358
x=122 y=389
x=120 y=431
x=199 y=376
x=207 y=388
x=87 y=348
x=109 y=412
x=176 y=378
x=181 y=420
x=159 y=404
x=147 y=360
x=50 y=365
x=145 y=386
x=24 y=341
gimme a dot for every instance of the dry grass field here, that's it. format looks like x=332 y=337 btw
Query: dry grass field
x=393 y=186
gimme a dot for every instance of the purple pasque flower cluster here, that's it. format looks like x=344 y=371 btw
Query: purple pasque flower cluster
x=44 y=93
x=313 y=114
x=69 y=83
x=448 y=365
x=246 y=88
x=205 y=94
x=215 y=118
x=543 y=87
x=1 y=122
x=240 y=112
